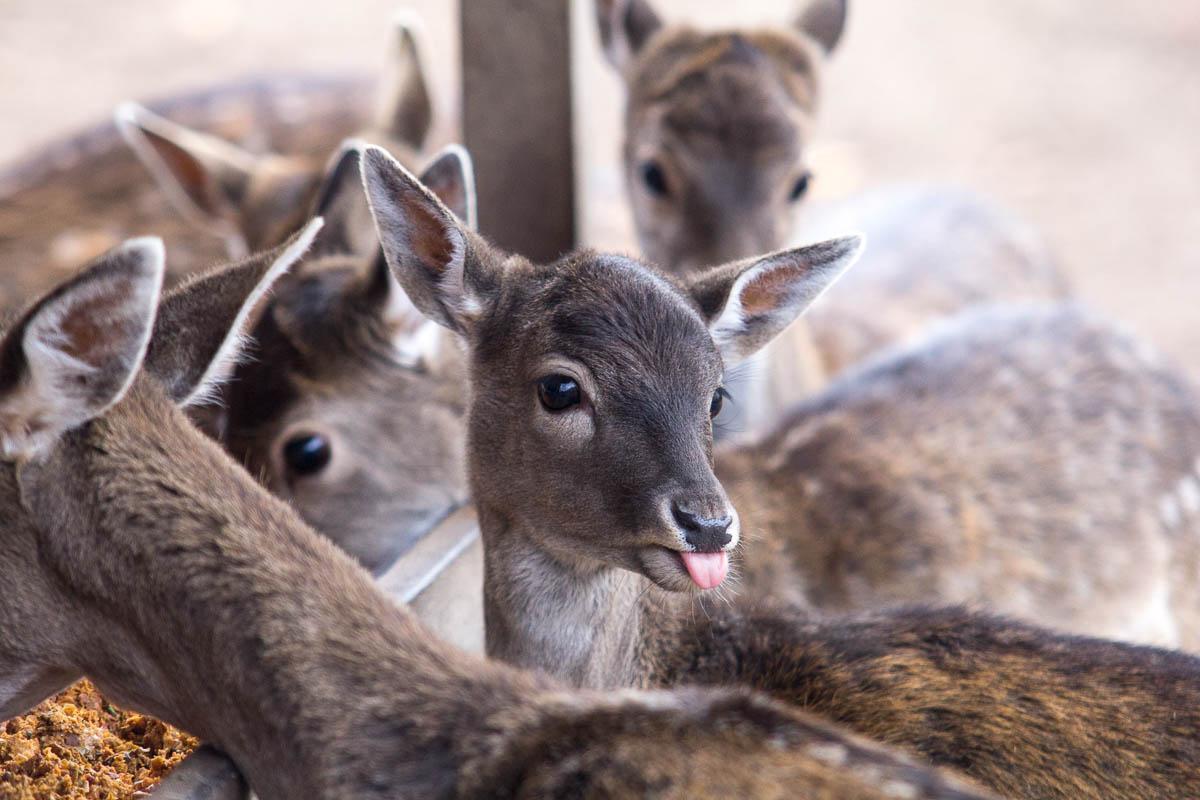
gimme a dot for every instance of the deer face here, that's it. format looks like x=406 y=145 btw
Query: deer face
x=717 y=128
x=351 y=405
x=594 y=380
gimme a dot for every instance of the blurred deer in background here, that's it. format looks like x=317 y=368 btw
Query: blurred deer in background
x=74 y=199
x=137 y=553
x=718 y=133
x=594 y=381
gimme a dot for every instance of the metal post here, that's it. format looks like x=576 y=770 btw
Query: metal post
x=517 y=122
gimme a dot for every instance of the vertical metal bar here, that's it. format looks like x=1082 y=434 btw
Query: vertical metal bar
x=517 y=122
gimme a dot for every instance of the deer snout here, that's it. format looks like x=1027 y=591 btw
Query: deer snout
x=705 y=528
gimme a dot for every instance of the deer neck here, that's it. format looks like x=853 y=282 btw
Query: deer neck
x=586 y=626
x=249 y=630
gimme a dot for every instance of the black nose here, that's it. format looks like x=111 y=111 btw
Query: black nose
x=706 y=534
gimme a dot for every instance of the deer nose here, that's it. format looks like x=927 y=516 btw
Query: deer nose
x=706 y=534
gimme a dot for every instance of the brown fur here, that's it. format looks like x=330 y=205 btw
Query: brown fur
x=74 y=199
x=1031 y=460
x=137 y=553
x=580 y=580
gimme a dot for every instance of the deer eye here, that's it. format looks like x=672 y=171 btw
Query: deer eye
x=800 y=187
x=654 y=178
x=558 y=392
x=718 y=402
x=307 y=454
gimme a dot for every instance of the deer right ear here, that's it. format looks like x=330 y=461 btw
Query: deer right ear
x=625 y=27
x=426 y=247
x=203 y=176
x=74 y=354
x=748 y=303
x=824 y=21
x=202 y=325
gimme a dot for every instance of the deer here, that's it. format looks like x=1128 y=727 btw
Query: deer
x=593 y=384
x=718 y=129
x=1035 y=460
x=341 y=361
x=264 y=139
x=136 y=552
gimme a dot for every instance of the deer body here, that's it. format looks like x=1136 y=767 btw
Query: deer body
x=594 y=381
x=137 y=553
x=1024 y=459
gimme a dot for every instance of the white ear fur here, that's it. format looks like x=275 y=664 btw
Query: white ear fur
x=222 y=365
x=772 y=291
x=66 y=382
x=136 y=123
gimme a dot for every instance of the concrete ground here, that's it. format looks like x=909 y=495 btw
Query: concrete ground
x=1083 y=116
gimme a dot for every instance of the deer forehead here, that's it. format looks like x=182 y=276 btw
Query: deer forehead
x=717 y=66
x=619 y=318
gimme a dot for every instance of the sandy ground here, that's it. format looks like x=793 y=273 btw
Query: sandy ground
x=1083 y=116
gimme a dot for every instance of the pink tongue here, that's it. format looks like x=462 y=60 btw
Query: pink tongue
x=706 y=569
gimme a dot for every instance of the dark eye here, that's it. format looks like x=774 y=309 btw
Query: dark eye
x=654 y=178
x=718 y=402
x=558 y=392
x=307 y=454
x=800 y=187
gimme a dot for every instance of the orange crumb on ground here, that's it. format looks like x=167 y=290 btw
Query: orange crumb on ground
x=76 y=745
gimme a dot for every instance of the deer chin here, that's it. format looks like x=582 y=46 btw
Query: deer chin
x=677 y=571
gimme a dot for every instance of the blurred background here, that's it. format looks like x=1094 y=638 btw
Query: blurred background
x=1082 y=116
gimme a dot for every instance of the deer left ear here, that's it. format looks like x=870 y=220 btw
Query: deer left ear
x=202 y=325
x=749 y=303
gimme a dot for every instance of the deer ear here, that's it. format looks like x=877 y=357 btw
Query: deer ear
x=625 y=27
x=749 y=303
x=823 y=21
x=202 y=325
x=74 y=354
x=451 y=176
x=405 y=111
x=203 y=176
x=341 y=202
x=429 y=251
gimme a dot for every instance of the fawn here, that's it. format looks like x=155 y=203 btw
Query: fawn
x=253 y=201
x=136 y=552
x=593 y=384
x=340 y=363
x=1031 y=459
x=718 y=128
x=74 y=199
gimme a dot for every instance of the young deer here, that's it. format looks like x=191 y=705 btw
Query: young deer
x=1030 y=459
x=717 y=132
x=254 y=201
x=593 y=381
x=73 y=199
x=136 y=552
x=341 y=361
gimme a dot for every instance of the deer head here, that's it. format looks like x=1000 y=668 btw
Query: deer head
x=351 y=404
x=595 y=380
x=716 y=128
x=254 y=201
